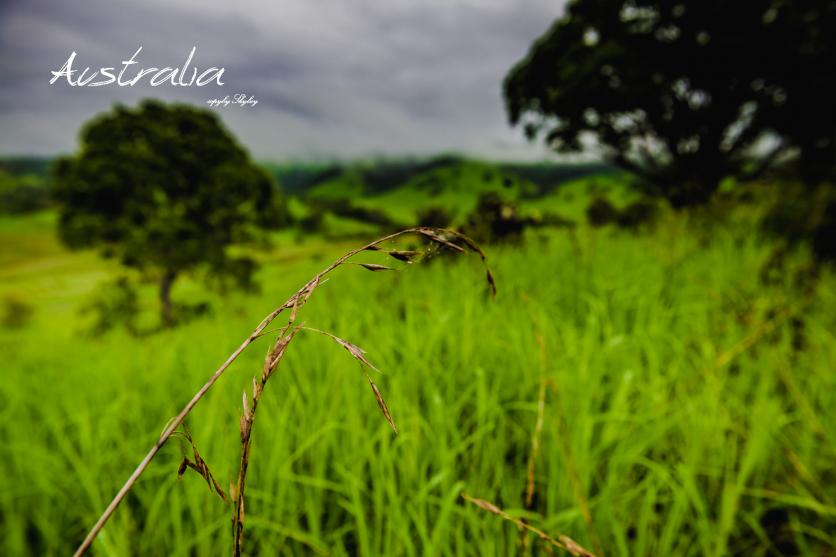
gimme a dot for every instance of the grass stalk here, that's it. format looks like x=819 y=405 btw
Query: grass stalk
x=438 y=237
x=561 y=542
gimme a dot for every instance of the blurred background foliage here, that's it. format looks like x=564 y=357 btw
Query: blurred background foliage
x=670 y=307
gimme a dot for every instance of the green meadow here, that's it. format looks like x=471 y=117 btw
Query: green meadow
x=682 y=374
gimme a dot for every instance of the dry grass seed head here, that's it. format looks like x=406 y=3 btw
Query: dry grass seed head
x=438 y=237
x=198 y=465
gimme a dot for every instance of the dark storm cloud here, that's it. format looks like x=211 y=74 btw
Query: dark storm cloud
x=332 y=77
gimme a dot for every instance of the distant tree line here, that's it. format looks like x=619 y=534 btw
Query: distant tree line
x=24 y=184
x=384 y=175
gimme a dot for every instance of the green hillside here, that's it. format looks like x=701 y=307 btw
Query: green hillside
x=402 y=190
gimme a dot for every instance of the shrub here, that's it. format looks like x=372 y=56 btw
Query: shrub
x=494 y=219
x=17 y=313
x=601 y=212
x=115 y=304
x=434 y=217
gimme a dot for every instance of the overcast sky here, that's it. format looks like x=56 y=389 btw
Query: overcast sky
x=334 y=78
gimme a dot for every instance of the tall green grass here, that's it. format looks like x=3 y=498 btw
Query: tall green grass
x=681 y=409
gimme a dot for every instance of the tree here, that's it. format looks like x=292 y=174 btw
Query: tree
x=165 y=189
x=682 y=93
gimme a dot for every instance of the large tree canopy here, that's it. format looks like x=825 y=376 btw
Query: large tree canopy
x=685 y=93
x=164 y=188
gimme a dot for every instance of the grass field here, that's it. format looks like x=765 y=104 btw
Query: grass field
x=689 y=407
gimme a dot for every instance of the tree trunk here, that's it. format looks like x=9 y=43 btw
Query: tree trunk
x=166 y=313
